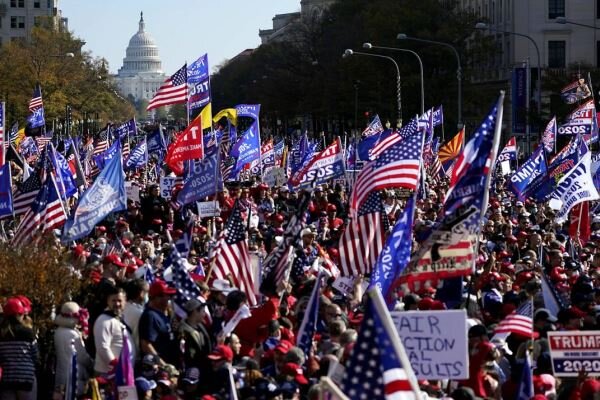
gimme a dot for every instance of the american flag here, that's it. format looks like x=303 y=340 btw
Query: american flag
x=173 y=91
x=36 y=99
x=398 y=166
x=549 y=135
x=389 y=140
x=364 y=238
x=100 y=146
x=116 y=248
x=519 y=322
x=42 y=141
x=126 y=149
x=232 y=257
x=26 y=193
x=46 y=213
x=378 y=367
x=309 y=321
x=183 y=282
x=276 y=264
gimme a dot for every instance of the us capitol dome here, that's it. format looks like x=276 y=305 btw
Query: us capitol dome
x=141 y=74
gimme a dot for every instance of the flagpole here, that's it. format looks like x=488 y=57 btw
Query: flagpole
x=388 y=325
x=327 y=384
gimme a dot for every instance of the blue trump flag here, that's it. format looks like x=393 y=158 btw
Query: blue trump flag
x=138 y=156
x=156 y=141
x=105 y=196
x=532 y=168
x=103 y=158
x=6 y=202
x=247 y=148
x=308 y=327
x=36 y=119
x=126 y=128
x=203 y=180
x=62 y=172
x=198 y=81
x=395 y=255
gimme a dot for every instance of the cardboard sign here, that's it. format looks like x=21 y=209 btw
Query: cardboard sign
x=127 y=393
x=573 y=351
x=275 y=177
x=133 y=191
x=166 y=184
x=344 y=284
x=208 y=209
x=435 y=342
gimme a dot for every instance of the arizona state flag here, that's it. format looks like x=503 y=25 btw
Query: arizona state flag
x=451 y=150
x=187 y=146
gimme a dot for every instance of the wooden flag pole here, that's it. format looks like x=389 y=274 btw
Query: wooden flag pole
x=329 y=385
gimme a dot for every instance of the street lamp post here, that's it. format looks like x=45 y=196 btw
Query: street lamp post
x=371 y=46
x=484 y=26
x=350 y=52
x=563 y=20
x=403 y=36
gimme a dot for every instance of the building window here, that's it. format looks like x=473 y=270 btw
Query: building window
x=556 y=54
x=556 y=8
x=17 y=3
x=37 y=4
x=17 y=22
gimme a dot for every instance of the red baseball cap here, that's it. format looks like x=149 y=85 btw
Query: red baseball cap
x=221 y=352
x=12 y=307
x=284 y=346
x=160 y=288
x=113 y=259
x=25 y=302
x=294 y=370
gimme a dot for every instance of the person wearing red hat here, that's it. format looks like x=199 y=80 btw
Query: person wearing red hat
x=292 y=371
x=156 y=334
x=18 y=353
x=265 y=204
x=217 y=381
x=113 y=268
x=333 y=222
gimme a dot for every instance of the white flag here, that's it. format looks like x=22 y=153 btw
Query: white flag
x=575 y=187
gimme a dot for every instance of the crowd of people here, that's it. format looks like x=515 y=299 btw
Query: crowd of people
x=126 y=302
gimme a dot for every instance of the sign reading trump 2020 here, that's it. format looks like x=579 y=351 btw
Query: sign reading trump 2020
x=435 y=342
x=574 y=351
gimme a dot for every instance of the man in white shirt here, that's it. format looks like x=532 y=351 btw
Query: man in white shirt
x=110 y=333
x=137 y=293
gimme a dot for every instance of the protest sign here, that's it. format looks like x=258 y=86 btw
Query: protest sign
x=166 y=184
x=573 y=351
x=434 y=350
x=133 y=191
x=208 y=209
x=275 y=177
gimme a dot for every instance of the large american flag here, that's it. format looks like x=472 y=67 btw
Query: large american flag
x=519 y=322
x=398 y=166
x=232 y=257
x=364 y=237
x=26 y=193
x=173 y=91
x=36 y=99
x=277 y=263
x=386 y=141
x=46 y=213
x=376 y=368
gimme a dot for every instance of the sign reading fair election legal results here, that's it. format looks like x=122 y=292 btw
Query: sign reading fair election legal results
x=434 y=350
x=573 y=351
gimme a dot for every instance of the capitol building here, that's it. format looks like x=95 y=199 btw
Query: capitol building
x=141 y=74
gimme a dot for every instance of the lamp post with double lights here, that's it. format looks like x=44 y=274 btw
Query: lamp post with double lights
x=350 y=52
x=403 y=36
x=484 y=26
x=371 y=46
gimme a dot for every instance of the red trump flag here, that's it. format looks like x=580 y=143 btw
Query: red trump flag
x=187 y=146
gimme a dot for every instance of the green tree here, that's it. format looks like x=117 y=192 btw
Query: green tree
x=67 y=76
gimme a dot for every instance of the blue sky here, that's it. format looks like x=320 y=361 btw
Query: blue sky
x=182 y=29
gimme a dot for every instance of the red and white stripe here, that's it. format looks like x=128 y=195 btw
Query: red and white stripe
x=396 y=385
x=360 y=244
x=385 y=144
x=402 y=173
x=51 y=217
x=234 y=261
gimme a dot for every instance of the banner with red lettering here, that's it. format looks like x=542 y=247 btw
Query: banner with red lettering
x=187 y=146
x=326 y=165
x=575 y=351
